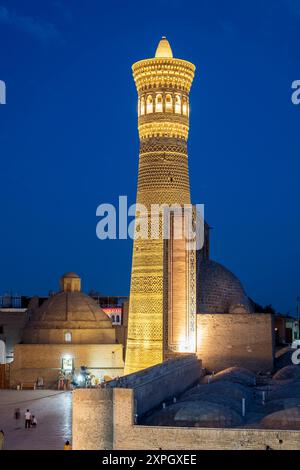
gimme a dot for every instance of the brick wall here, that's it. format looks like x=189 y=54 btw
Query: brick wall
x=92 y=420
x=158 y=383
x=79 y=336
x=45 y=360
x=225 y=340
x=97 y=424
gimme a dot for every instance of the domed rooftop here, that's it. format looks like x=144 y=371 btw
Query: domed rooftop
x=70 y=275
x=235 y=374
x=70 y=282
x=69 y=310
x=287 y=373
x=164 y=49
x=195 y=414
x=284 y=419
x=206 y=414
x=222 y=393
x=219 y=290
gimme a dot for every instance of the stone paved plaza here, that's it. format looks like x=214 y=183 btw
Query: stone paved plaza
x=53 y=411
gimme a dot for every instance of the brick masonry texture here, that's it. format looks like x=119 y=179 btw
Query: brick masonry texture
x=45 y=360
x=227 y=340
x=97 y=424
x=104 y=419
x=157 y=383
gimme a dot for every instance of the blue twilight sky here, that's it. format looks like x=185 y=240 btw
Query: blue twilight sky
x=68 y=136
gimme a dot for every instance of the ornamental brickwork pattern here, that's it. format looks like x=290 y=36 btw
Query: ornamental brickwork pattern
x=163 y=87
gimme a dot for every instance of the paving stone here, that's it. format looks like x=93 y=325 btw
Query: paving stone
x=53 y=411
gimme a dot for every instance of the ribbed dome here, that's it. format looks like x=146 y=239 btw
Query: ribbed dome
x=70 y=309
x=219 y=290
x=71 y=316
x=163 y=49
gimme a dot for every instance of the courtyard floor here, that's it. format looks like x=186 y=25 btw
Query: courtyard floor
x=53 y=411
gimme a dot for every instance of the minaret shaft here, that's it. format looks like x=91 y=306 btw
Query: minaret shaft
x=163 y=85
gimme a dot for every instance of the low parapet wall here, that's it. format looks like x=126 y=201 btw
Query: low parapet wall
x=126 y=435
x=92 y=424
x=161 y=382
x=104 y=419
x=96 y=412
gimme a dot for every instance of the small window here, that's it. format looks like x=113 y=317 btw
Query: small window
x=177 y=104
x=184 y=106
x=1 y=329
x=118 y=319
x=169 y=103
x=142 y=105
x=158 y=103
x=149 y=104
x=68 y=337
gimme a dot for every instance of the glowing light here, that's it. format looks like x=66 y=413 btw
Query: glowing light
x=142 y=106
x=158 y=104
x=68 y=337
x=149 y=104
x=169 y=103
x=177 y=104
x=184 y=106
x=200 y=337
x=67 y=363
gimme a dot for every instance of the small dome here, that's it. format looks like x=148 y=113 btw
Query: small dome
x=223 y=393
x=69 y=308
x=236 y=374
x=70 y=276
x=284 y=389
x=284 y=419
x=164 y=49
x=219 y=290
x=201 y=414
x=287 y=372
x=280 y=404
x=70 y=282
x=69 y=312
x=205 y=414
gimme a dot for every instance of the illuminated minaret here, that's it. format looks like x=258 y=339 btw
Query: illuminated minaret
x=163 y=84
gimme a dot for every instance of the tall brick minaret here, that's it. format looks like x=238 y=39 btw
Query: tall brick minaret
x=163 y=84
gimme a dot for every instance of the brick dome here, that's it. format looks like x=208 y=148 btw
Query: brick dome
x=219 y=290
x=198 y=413
x=69 y=312
x=69 y=309
x=283 y=419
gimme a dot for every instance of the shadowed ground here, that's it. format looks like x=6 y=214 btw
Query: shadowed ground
x=53 y=411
